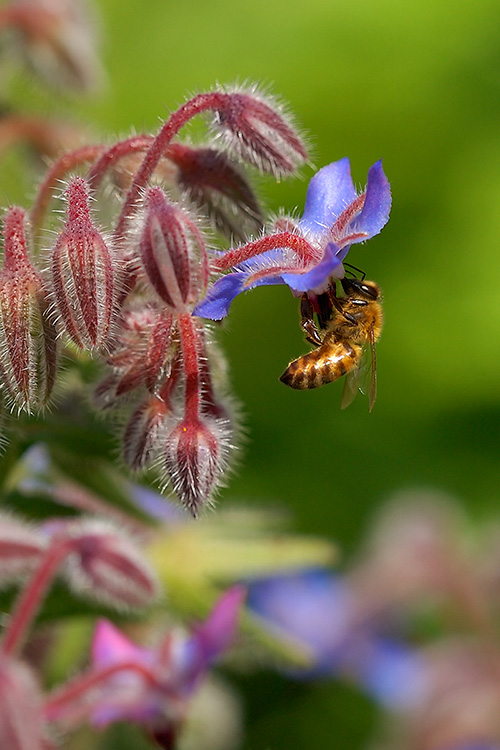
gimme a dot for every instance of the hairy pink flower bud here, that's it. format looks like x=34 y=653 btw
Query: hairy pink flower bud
x=21 y=721
x=219 y=188
x=20 y=548
x=195 y=458
x=140 y=439
x=255 y=127
x=82 y=274
x=143 y=349
x=166 y=247
x=27 y=336
x=107 y=565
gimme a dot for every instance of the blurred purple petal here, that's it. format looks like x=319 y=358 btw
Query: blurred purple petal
x=394 y=674
x=313 y=607
x=157 y=506
x=151 y=686
x=320 y=610
x=218 y=631
x=110 y=646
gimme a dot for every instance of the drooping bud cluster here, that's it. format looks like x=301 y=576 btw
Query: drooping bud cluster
x=129 y=299
x=179 y=423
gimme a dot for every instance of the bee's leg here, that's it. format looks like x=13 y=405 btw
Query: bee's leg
x=326 y=303
x=307 y=321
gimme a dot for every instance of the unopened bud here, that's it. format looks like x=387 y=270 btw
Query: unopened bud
x=105 y=564
x=142 y=354
x=166 y=247
x=257 y=130
x=219 y=188
x=140 y=439
x=195 y=458
x=20 y=548
x=27 y=336
x=82 y=274
x=21 y=723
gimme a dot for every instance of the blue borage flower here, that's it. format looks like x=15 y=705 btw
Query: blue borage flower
x=309 y=254
x=321 y=611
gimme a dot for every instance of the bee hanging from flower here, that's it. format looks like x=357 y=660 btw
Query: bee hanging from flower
x=308 y=256
x=347 y=329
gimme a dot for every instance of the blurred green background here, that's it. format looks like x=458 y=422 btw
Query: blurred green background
x=418 y=84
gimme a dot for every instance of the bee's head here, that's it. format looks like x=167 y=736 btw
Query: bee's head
x=365 y=290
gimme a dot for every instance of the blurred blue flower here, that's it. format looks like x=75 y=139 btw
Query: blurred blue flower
x=157 y=506
x=310 y=254
x=150 y=686
x=320 y=610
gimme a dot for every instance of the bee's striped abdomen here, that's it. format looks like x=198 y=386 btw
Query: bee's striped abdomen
x=323 y=365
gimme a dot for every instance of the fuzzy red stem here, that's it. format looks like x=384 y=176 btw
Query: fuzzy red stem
x=175 y=122
x=136 y=143
x=190 y=353
x=16 y=128
x=209 y=402
x=89 y=681
x=33 y=594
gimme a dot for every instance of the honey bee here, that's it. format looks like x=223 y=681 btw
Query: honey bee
x=345 y=336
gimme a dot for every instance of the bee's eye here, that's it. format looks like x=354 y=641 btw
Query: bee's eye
x=370 y=291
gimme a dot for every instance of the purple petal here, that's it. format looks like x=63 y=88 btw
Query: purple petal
x=217 y=302
x=377 y=206
x=330 y=267
x=329 y=193
x=218 y=631
x=110 y=646
x=313 y=606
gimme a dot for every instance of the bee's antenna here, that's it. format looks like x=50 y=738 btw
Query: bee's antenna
x=350 y=269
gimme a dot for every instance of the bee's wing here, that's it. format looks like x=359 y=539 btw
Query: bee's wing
x=351 y=386
x=363 y=378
